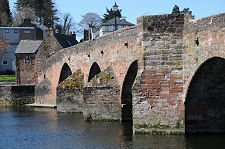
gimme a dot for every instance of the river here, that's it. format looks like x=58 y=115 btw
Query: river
x=43 y=128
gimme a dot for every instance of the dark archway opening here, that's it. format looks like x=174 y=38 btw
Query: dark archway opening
x=127 y=92
x=205 y=101
x=65 y=73
x=95 y=69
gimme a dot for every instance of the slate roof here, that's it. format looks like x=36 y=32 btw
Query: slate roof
x=119 y=21
x=28 y=46
x=65 y=41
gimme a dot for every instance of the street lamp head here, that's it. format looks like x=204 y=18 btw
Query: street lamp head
x=115 y=7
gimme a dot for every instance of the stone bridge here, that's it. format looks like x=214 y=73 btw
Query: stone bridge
x=167 y=74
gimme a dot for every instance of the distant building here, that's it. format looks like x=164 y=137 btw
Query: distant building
x=13 y=35
x=31 y=53
x=109 y=26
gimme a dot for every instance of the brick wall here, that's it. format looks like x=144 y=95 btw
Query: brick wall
x=157 y=103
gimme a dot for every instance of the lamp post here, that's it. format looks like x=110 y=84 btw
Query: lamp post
x=115 y=8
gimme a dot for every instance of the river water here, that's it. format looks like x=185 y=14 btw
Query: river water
x=42 y=128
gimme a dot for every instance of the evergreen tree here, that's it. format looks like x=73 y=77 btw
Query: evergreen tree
x=23 y=3
x=5 y=14
x=175 y=9
x=44 y=10
x=110 y=14
x=185 y=10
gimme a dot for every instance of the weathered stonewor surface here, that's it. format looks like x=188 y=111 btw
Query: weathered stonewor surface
x=157 y=104
x=16 y=95
x=203 y=74
x=102 y=97
x=70 y=93
x=116 y=49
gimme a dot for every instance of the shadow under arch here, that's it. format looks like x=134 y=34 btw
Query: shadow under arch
x=95 y=69
x=126 y=95
x=65 y=73
x=205 y=100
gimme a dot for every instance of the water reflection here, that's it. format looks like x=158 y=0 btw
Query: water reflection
x=45 y=128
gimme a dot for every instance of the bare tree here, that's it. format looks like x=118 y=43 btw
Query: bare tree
x=24 y=13
x=89 y=19
x=66 y=24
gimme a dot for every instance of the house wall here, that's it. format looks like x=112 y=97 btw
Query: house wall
x=12 y=37
x=27 y=34
x=27 y=73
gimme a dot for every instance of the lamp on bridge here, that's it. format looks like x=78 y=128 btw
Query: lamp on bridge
x=115 y=9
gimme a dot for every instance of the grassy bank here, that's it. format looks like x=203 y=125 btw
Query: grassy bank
x=7 y=78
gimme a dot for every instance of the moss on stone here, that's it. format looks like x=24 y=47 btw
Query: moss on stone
x=20 y=101
x=5 y=103
x=104 y=77
x=75 y=81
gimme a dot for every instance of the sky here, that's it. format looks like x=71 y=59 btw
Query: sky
x=131 y=9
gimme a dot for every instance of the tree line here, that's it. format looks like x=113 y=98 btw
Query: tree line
x=44 y=12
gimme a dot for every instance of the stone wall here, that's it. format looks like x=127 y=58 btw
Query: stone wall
x=157 y=104
x=69 y=100
x=98 y=100
x=16 y=95
x=203 y=74
x=108 y=50
x=102 y=97
x=70 y=93
x=26 y=72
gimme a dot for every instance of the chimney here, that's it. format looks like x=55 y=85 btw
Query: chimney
x=73 y=34
x=90 y=32
x=86 y=35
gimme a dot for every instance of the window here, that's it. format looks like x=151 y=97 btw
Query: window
x=6 y=31
x=4 y=62
x=15 y=31
x=27 y=59
x=26 y=31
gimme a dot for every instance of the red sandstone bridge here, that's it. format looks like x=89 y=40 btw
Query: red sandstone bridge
x=167 y=74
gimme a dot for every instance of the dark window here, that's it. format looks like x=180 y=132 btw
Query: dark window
x=27 y=59
x=15 y=31
x=5 y=62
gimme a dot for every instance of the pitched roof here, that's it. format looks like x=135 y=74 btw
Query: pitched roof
x=28 y=46
x=65 y=41
x=119 y=21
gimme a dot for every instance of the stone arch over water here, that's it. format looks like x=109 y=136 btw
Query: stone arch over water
x=205 y=100
x=126 y=95
x=95 y=69
x=65 y=73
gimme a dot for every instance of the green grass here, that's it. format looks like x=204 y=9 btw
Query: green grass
x=6 y=78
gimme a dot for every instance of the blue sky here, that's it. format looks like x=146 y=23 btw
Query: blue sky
x=132 y=9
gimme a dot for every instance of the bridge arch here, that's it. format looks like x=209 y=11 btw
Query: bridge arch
x=205 y=100
x=95 y=69
x=65 y=72
x=126 y=95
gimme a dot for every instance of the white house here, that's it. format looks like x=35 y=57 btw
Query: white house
x=114 y=24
